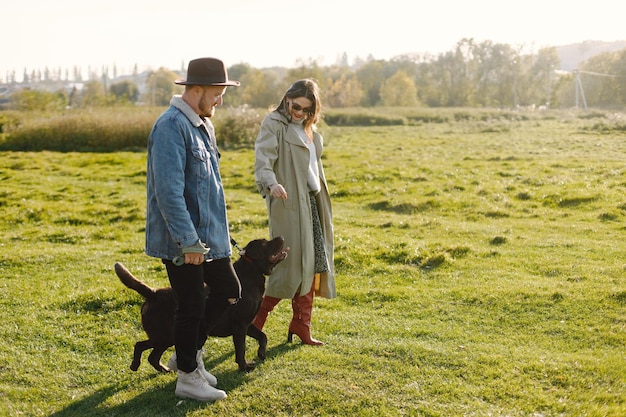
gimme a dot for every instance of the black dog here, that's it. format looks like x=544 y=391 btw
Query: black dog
x=257 y=260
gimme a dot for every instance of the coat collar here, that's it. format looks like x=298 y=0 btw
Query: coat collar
x=178 y=102
x=279 y=117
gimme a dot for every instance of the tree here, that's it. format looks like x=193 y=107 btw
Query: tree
x=604 y=79
x=78 y=76
x=345 y=92
x=306 y=69
x=546 y=62
x=490 y=71
x=259 y=89
x=125 y=91
x=93 y=94
x=398 y=91
x=160 y=87
x=234 y=95
x=619 y=69
x=342 y=60
x=452 y=79
x=370 y=76
x=472 y=74
x=35 y=100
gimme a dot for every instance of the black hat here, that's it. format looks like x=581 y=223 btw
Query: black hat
x=206 y=71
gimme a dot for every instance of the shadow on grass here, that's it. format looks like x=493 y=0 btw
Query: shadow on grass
x=235 y=378
x=160 y=399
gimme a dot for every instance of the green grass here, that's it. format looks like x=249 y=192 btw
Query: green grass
x=480 y=273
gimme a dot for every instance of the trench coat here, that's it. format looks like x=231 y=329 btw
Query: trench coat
x=281 y=157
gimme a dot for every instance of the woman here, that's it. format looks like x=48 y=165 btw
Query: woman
x=289 y=174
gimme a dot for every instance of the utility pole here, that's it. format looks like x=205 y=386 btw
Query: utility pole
x=515 y=83
x=548 y=86
x=579 y=89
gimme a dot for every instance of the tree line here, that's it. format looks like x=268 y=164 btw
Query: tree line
x=472 y=74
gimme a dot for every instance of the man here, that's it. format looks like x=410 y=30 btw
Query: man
x=186 y=222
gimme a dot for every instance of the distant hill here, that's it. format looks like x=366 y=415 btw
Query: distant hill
x=572 y=55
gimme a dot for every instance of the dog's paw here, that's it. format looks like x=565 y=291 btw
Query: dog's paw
x=248 y=367
x=135 y=365
x=261 y=352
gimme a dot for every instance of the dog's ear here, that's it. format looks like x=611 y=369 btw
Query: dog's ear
x=255 y=249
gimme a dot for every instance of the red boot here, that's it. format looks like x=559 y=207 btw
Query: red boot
x=267 y=305
x=301 y=322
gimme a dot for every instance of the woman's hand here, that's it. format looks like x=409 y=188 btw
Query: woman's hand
x=278 y=191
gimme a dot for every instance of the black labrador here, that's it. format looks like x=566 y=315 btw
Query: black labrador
x=257 y=260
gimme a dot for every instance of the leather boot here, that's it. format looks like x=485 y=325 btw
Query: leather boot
x=267 y=305
x=300 y=325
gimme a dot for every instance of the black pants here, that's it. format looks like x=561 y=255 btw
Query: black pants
x=193 y=305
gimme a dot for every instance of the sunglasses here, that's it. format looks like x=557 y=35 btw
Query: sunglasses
x=297 y=107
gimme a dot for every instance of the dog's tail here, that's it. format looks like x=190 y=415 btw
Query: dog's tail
x=133 y=283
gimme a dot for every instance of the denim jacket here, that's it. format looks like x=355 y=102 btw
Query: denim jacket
x=185 y=195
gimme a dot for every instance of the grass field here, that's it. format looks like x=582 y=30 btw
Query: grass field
x=480 y=265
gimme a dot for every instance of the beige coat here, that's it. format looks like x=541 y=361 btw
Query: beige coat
x=282 y=157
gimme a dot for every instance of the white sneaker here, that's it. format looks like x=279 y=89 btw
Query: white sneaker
x=211 y=379
x=193 y=385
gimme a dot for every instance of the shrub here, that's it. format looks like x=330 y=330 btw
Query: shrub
x=105 y=130
x=112 y=129
x=361 y=119
x=427 y=118
x=237 y=127
x=8 y=120
x=34 y=100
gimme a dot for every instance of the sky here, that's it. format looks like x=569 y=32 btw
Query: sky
x=39 y=34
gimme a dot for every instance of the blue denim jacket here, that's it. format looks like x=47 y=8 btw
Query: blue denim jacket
x=185 y=195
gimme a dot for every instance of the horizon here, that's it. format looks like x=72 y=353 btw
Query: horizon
x=146 y=35
x=129 y=71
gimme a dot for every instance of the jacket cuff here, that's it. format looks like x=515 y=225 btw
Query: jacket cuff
x=199 y=247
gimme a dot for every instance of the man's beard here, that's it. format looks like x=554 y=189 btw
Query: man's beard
x=208 y=113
